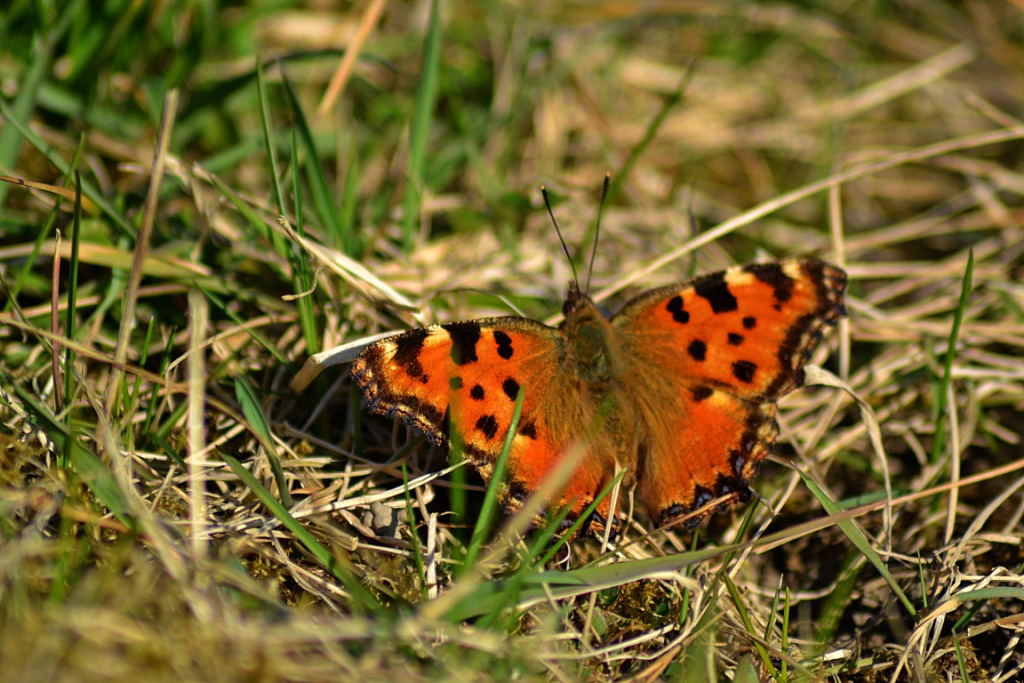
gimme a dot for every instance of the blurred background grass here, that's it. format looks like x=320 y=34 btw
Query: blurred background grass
x=424 y=168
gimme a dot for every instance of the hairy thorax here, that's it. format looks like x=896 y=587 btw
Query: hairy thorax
x=599 y=366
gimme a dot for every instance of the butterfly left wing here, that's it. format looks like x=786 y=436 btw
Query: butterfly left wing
x=462 y=379
x=708 y=361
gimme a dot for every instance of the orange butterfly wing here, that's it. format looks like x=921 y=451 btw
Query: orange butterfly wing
x=707 y=361
x=468 y=374
x=688 y=376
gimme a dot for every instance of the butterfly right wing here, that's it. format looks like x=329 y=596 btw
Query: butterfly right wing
x=463 y=379
x=709 y=359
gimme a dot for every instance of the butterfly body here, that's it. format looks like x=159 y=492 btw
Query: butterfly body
x=678 y=389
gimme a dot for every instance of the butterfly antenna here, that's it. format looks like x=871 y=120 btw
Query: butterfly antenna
x=547 y=203
x=597 y=228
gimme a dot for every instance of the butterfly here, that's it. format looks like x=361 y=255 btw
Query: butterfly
x=679 y=388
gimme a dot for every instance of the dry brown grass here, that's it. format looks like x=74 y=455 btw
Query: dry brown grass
x=885 y=139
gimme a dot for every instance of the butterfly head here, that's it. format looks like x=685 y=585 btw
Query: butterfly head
x=575 y=300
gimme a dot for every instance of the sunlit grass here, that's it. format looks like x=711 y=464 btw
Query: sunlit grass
x=172 y=508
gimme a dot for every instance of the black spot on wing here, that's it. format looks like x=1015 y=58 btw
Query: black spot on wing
x=735 y=339
x=715 y=290
x=528 y=429
x=510 y=387
x=464 y=336
x=504 y=344
x=749 y=322
x=488 y=425
x=408 y=348
x=701 y=393
x=775 y=277
x=744 y=370
x=675 y=307
x=477 y=393
x=697 y=349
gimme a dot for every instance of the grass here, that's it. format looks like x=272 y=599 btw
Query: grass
x=172 y=508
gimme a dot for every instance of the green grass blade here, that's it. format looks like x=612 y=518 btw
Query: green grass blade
x=349 y=197
x=47 y=228
x=253 y=412
x=72 y=311
x=131 y=402
x=746 y=672
x=457 y=499
x=419 y=130
x=939 y=445
x=224 y=306
x=21 y=109
x=854 y=533
x=961 y=663
x=417 y=548
x=490 y=596
x=302 y=279
x=268 y=140
x=170 y=451
x=784 y=668
x=529 y=567
x=748 y=623
x=339 y=567
x=318 y=186
x=95 y=474
x=549 y=530
x=652 y=129
x=697 y=663
x=92 y=471
x=982 y=596
x=490 y=506
x=829 y=615
x=90 y=190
